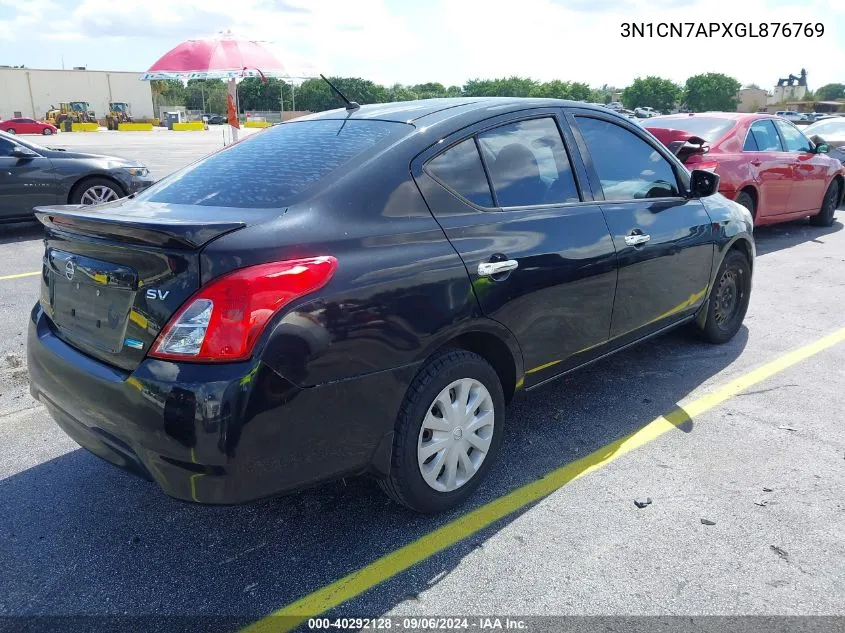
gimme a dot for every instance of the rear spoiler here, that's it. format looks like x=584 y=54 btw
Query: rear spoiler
x=681 y=144
x=153 y=230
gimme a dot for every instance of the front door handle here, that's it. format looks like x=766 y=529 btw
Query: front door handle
x=488 y=269
x=636 y=239
x=756 y=162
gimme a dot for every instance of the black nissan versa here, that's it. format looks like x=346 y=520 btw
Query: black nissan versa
x=362 y=291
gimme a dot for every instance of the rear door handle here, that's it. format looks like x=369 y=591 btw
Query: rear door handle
x=636 y=239
x=488 y=269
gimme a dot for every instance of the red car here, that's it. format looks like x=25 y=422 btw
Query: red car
x=764 y=162
x=27 y=126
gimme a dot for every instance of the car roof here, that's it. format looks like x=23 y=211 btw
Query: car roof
x=734 y=116
x=435 y=110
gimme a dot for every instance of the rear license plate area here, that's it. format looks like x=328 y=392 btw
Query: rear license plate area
x=89 y=300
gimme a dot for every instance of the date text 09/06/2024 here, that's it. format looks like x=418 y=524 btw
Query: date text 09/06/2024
x=722 y=29
x=425 y=623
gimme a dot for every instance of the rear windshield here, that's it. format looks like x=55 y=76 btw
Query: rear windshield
x=711 y=129
x=270 y=168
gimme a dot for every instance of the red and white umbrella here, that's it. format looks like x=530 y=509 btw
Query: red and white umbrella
x=223 y=56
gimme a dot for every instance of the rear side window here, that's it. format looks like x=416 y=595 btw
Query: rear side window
x=793 y=140
x=528 y=164
x=460 y=169
x=628 y=167
x=762 y=137
x=269 y=169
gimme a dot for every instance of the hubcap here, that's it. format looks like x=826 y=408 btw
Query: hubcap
x=99 y=194
x=455 y=435
x=728 y=295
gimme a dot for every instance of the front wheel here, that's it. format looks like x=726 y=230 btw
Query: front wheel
x=448 y=432
x=831 y=199
x=94 y=191
x=11 y=130
x=46 y=131
x=728 y=300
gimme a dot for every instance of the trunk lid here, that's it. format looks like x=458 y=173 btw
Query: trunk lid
x=681 y=143
x=113 y=275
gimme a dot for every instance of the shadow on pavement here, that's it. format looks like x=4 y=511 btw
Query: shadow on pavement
x=780 y=236
x=78 y=536
x=20 y=232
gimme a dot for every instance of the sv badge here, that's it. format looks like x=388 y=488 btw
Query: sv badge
x=154 y=293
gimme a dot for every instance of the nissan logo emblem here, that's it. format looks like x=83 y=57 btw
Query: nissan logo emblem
x=69 y=270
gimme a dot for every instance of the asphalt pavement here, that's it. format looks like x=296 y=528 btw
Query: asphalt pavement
x=747 y=515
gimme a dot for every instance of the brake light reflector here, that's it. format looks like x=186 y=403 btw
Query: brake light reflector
x=224 y=319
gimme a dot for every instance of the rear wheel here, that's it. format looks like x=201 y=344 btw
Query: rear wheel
x=728 y=300
x=744 y=198
x=93 y=191
x=831 y=199
x=448 y=433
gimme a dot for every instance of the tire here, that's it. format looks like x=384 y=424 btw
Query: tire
x=11 y=130
x=745 y=199
x=92 y=191
x=445 y=377
x=732 y=286
x=829 y=203
x=47 y=131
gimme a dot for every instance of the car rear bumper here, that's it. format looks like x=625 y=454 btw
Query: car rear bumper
x=226 y=433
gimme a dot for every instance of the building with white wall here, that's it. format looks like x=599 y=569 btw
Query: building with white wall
x=31 y=92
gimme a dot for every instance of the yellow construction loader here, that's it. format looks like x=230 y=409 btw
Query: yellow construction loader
x=75 y=111
x=118 y=113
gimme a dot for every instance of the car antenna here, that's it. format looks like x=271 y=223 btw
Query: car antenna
x=350 y=105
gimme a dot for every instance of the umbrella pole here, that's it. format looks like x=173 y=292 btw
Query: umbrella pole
x=232 y=110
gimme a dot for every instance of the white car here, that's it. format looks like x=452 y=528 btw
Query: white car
x=615 y=105
x=646 y=112
x=791 y=115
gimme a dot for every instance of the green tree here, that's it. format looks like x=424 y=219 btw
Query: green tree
x=168 y=92
x=562 y=90
x=711 y=91
x=505 y=87
x=430 y=90
x=398 y=92
x=831 y=92
x=656 y=92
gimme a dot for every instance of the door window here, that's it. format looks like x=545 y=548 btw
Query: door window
x=460 y=169
x=762 y=137
x=793 y=140
x=528 y=164
x=6 y=147
x=627 y=166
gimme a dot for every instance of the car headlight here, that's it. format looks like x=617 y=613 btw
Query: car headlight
x=137 y=171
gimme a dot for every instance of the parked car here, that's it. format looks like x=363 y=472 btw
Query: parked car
x=215 y=119
x=830 y=132
x=454 y=251
x=646 y=112
x=27 y=126
x=765 y=163
x=791 y=115
x=32 y=175
x=616 y=105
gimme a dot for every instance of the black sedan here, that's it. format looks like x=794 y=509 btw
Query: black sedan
x=33 y=175
x=363 y=290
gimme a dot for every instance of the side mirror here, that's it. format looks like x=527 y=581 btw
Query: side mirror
x=703 y=183
x=19 y=151
x=822 y=148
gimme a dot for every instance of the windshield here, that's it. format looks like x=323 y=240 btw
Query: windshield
x=17 y=140
x=711 y=129
x=267 y=170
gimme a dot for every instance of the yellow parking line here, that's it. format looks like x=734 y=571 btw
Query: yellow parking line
x=354 y=584
x=19 y=275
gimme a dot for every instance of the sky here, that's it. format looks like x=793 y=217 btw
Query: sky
x=449 y=41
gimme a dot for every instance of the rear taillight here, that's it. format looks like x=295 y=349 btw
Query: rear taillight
x=224 y=319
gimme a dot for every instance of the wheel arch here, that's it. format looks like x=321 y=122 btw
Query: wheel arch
x=751 y=189
x=495 y=344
